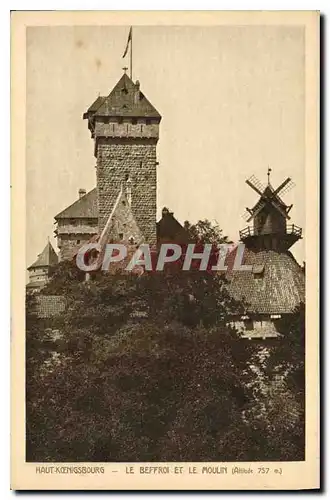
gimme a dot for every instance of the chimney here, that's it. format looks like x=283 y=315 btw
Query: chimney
x=137 y=92
x=81 y=192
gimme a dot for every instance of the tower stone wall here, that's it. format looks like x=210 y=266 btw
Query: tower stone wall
x=119 y=161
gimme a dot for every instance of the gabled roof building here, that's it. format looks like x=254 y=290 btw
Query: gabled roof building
x=77 y=224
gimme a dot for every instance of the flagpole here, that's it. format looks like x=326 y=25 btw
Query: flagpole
x=131 y=58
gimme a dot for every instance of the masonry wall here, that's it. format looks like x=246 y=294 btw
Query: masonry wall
x=72 y=234
x=47 y=306
x=140 y=129
x=123 y=226
x=254 y=328
x=118 y=159
x=69 y=245
x=38 y=274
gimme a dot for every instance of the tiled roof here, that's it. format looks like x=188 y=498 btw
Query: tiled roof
x=47 y=258
x=96 y=104
x=125 y=99
x=170 y=229
x=275 y=285
x=84 y=207
x=49 y=305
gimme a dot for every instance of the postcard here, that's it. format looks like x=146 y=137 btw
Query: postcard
x=165 y=296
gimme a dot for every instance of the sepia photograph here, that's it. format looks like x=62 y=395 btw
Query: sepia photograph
x=165 y=245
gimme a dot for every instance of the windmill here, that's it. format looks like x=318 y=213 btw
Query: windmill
x=270 y=214
x=274 y=283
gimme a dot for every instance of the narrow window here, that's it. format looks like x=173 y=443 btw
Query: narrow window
x=248 y=324
x=121 y=235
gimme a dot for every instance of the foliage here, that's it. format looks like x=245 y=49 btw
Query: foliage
x=64 y=278
x=290 y=354
x=280 y=398
x=205 y=232
x=146 y=369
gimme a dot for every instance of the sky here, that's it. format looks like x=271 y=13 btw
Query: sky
x=232 y=100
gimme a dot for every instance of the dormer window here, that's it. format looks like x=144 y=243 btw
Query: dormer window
x=258 y=270
x=128 y=189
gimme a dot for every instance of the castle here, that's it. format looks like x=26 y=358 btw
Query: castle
x=125 y=129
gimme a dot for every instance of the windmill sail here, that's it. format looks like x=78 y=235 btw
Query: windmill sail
x=286 y=188
x=255 y=184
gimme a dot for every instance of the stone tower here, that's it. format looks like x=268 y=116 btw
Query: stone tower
x=125 y=129
x=41 y=270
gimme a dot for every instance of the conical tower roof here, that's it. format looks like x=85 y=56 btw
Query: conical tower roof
x=47 y=258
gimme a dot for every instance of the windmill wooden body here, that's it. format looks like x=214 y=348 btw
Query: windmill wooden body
x=275 y=286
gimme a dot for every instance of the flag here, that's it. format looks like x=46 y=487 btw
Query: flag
x=128 y=41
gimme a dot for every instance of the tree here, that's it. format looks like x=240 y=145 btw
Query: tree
x=147 y=369
x=278 y=411
x=289 y=355
x=143 y=390
x=205 y=232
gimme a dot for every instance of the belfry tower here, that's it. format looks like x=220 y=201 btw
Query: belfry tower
x=125 y=129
